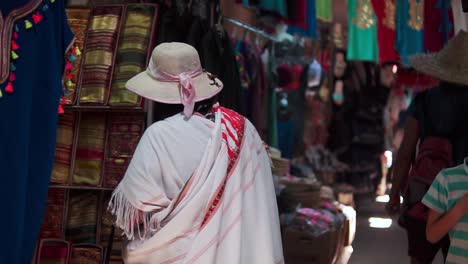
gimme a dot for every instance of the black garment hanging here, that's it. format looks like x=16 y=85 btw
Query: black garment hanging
x=218 y=57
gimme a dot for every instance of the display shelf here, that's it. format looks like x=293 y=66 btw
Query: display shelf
x=74 y=187
x=101 y=108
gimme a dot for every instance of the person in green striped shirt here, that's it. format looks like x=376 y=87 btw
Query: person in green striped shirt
x=447 y=200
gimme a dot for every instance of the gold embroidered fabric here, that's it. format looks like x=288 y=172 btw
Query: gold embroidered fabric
x=365 y=17
x=390 y=14
x=99 y=54
x=416 y=15
x=132 y=52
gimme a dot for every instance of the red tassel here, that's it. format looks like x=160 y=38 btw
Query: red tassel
x=37 y=17
x=60 y=109
x=68 y=66
x=9 y=88
x=69 y=76
x=14 y=45
x=12 y=77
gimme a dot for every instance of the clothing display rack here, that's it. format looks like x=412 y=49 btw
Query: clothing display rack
x=252 y=29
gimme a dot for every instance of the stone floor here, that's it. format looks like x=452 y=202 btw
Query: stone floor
x=378 y=245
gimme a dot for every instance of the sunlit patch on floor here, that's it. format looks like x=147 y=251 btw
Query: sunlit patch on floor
x=385 y=199
x=376 y=222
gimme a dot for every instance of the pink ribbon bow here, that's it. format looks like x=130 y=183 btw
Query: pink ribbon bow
x=187 y=93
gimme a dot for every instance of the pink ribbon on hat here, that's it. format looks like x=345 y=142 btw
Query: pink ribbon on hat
x=187 y=93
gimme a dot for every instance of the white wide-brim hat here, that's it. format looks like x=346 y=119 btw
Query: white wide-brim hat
x=450 y=64
x=174 y=76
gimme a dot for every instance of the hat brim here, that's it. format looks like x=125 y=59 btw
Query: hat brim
x=430 y=65
x=169 y=92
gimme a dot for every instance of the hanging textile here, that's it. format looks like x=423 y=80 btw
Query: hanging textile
x=409 y=28
x=132 y=52
x=438 y=27
x=277 y=6
x=362 y=39
x=386 y=15
x=62 y=162
x=324 y=10
x=53 y=251
x=99 y=54
x=78 y=19
x=35 y=40
x=459 y=17
x=218 y=57
x=123 y=136
x=297 y=13
x=309 y=28
x=52 y=227
x=90 y=149
x=82 y=217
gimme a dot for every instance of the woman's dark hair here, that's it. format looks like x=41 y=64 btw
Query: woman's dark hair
x=163 y=111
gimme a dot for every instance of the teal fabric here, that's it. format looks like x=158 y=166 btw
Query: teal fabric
x=277 y=6
x=362 y=39
x=408 y=40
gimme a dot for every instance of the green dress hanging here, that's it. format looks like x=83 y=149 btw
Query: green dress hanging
x=362 y=40
x=324 y=10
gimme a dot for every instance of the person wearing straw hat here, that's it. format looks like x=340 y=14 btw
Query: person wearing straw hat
x=436 y=133
x=199 y=188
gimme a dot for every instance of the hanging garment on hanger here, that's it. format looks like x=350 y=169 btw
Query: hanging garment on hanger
x=362 y=39
x=36 y=40
x=277 y=6
x=409 y=28
x=218 y=58
x=459 y=17
x=309 y=29
x=324 y=10
x=438 y=27
x=386 y=15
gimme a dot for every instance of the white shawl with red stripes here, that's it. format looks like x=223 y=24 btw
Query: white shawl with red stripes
x=199 y=192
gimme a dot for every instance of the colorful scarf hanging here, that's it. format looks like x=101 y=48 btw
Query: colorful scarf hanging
x=99 y=55
x=123 y=137
x=82 y=217
x=132 y=53
x=78 y=19
x=90 y=149
x=438 y=27
x=63 y=149
x=52 y=227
